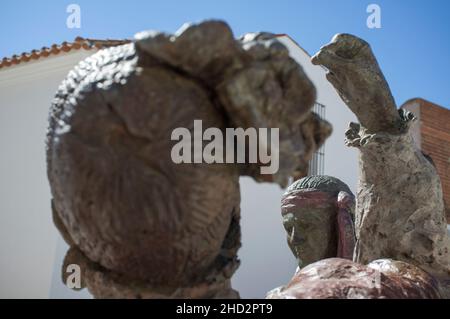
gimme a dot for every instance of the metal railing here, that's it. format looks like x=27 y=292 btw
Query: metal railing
x=317 y=163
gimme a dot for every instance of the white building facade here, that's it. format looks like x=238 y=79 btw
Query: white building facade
x=28 y=237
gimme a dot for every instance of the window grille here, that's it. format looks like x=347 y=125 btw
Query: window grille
x=317 y=163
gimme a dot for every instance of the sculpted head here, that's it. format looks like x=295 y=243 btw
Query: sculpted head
x=310 y=210
x=118 y=194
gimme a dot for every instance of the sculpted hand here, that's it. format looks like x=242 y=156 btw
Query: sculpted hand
x=355 y=74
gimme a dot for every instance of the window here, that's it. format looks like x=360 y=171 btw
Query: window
x=317 y=163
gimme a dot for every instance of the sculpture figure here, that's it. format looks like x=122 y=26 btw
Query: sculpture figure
x=317 y=215
x=337 y=278
x=138 y=224
x=402 y=246
x=399 y=206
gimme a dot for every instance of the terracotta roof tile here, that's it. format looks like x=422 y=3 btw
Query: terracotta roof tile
x=77 y=44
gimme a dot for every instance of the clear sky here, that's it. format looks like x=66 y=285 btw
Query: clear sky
x=412 y=46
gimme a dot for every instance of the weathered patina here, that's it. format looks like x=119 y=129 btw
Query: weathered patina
x=128 y=211
x=399 y=207
x=337 y=278
x=317 y=215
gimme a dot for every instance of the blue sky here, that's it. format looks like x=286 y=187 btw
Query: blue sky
x=413 y=45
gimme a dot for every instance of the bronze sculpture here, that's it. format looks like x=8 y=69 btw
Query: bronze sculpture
x=337 y=278
x=402 y=247
x=399 y=207
x=320 y=228
x=317 y=215
x=142 y=226
x=139 y=224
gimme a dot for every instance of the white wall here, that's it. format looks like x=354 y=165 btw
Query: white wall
x=27 y=235
x=340 y=161
x=266 y=259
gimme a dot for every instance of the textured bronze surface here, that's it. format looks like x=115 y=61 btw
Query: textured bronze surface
x=117 y=196
x=317 y=217
x=399 y=208
x=337 y=278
